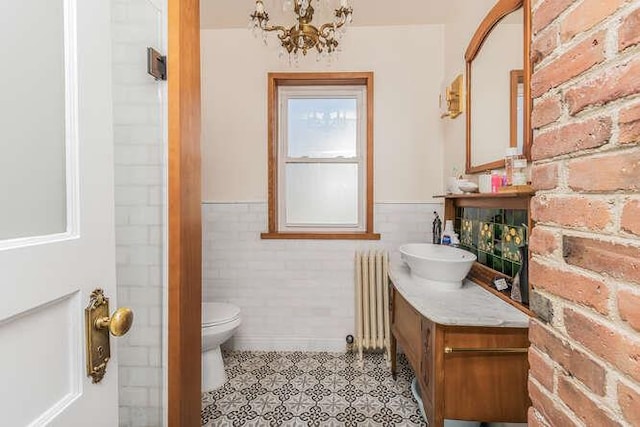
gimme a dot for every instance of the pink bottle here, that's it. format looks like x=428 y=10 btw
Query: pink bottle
x=496 y=181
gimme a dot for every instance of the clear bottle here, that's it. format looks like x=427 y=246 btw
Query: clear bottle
x=520 y=171
x=447 y=234
x=510 y=157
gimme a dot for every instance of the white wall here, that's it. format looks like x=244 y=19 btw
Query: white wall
x=408 y=66
x=294 y=294
x=463 y=19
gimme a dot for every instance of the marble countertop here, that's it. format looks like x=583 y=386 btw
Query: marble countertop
x=470 y=305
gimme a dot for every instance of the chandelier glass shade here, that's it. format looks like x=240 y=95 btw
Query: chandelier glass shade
x=303 y=36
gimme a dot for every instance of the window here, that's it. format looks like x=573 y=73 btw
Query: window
x=320 y=156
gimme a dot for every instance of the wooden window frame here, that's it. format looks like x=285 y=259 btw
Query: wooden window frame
x=277 y=80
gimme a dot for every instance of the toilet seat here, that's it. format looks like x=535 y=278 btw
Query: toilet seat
x=219 y=313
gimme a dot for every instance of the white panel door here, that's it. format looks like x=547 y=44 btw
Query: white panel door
x=56 y=209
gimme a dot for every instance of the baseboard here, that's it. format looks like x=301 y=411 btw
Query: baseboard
x=276 y=343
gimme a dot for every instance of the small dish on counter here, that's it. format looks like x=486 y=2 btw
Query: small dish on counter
x=468 y=186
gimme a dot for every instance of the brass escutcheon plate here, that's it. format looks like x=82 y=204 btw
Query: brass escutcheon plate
x=98 y=348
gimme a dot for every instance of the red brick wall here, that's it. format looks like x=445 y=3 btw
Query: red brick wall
x=585 y=266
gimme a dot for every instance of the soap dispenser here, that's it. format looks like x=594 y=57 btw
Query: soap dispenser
x=448 y=235
x=436 y=229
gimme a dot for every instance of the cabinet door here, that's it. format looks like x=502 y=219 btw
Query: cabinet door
x=493 y=383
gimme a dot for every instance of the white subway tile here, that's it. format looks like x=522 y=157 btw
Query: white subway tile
x=143 y=155
x=137 y=134
x=155 y=397
x=274 y=281
x=133 y=396
x=156 y=195
x=155 y=359
x=145 y=215
x=141 y=377
x=146 y=255
x=145 y=416
x=145 y=336
x=130 y=195
x=145 y=295
x=125 y=416
x=132 y=275
x=131 y=235
x=137 y=175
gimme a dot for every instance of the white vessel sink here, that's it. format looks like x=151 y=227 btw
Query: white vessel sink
x=437 y=264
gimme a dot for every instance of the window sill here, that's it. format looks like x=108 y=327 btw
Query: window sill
x=321 y=236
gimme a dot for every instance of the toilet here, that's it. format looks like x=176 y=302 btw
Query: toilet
x=219 y=323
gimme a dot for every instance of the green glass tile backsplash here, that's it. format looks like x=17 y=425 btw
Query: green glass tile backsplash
x=494 y=235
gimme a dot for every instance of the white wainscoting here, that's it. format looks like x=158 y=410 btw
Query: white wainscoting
x=294 y=294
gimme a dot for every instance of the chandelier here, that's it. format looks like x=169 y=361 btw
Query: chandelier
x=303 y=36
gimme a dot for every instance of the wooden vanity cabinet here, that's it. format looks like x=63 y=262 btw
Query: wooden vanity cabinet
x=465 y=372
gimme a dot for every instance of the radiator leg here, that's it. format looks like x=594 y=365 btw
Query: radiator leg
x=393 y=356
x=387 y=354
x=359 y=341
x=386 y=307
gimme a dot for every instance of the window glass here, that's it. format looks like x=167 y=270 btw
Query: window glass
x=33 y=119
x=322 y=194
x=322 y=127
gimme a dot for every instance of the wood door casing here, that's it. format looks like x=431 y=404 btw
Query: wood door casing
x=185 y=225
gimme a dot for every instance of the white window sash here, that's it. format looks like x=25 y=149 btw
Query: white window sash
x=313 y=92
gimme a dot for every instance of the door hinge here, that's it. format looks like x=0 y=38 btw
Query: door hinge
x=156 y=64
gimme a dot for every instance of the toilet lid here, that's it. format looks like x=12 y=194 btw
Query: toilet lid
x=216 y=313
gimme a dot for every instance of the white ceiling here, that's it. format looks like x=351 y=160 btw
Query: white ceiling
x=235 y=13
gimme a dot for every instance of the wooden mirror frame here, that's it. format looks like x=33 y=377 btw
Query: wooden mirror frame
x=495 y=15
x=517 y=79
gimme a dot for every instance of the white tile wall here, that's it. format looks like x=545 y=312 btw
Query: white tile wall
x=294 y=294
x=140 y=208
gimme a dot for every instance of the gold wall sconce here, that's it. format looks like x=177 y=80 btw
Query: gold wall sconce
x=452 y=100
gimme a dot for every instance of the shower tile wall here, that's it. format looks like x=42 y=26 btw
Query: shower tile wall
x=139 y=152
x=294 y=294
x=494 y=235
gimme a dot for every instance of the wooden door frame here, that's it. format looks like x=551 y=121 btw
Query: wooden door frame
x=185 y=225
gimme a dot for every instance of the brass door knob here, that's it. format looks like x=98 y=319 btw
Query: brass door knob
x=118 y=324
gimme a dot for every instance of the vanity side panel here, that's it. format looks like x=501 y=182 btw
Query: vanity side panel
x=431 y=375
x=407 y=328
x=427 y=361
x=486 y=385
x=393 y=343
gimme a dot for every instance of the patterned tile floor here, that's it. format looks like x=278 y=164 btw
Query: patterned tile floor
x=311 y=389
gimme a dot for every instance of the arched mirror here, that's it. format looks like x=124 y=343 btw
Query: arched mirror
x=497 y=79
